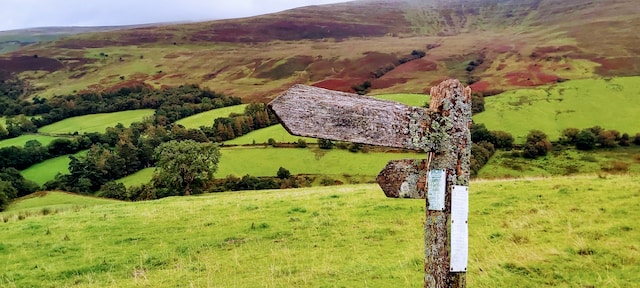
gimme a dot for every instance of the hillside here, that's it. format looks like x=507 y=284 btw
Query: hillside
x=495 y=45
x=554 y=232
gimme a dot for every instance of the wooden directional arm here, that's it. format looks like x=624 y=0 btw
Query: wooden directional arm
x=321 y=113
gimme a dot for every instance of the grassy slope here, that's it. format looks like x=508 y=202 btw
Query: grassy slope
x=277 y=132
x=408 y=99
x=564 y=162
x=611 y=104
x=23 y=139
x=54 y=200
x=141 y=177
x=96 y=122
x=47 y=170
x=562 y=232
x=207 y=118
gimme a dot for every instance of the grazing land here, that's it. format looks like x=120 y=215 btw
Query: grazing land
x=48 y=169
x=548 y=232
x=609 y=103
x=23 y=139
x=96 y=122
x=262 y=136
x=418 y=100
x=206 y=118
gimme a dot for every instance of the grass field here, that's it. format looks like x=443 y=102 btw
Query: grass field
x=96 y=122
x=23 y=139
x=564 y=162
x=554 y=232
x=277 y=132
x=407 y=99
x=136 y=179
x=266 y=162
x=611 y=104
x=47 y=170
x=206 y=118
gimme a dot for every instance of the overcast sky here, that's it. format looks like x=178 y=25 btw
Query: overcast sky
x=17 y=14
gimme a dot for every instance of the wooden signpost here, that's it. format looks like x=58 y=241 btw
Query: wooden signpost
x=442 y=178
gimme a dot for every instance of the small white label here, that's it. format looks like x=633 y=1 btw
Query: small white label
x=459 y=228
x=436 y=188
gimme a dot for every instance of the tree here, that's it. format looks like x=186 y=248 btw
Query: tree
x=536 y=145
x=185 y=166
x=283 y=173
x=502 y=139
x=585 y=140
x=7 y=193
x=325 y=144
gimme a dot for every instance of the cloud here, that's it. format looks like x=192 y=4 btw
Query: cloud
x=17 y=14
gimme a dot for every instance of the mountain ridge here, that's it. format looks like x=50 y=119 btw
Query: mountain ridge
x=493 y=45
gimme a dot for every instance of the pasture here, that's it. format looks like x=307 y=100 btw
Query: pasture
x=48 y=169
x=206 y=118
x=572 y=104
x=418 y=100
x=96 y=122
x=260 y=136
x=553 y=232
x=23 y=139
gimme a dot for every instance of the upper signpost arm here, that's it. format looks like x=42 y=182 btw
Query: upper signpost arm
x=321 y=113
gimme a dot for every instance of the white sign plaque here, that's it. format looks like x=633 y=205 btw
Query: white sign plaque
x=436 y=188
x=459 y=228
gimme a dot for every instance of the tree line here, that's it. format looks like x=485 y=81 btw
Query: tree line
x=171 y=104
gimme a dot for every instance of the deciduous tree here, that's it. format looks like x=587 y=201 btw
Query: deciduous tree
x=185 y=166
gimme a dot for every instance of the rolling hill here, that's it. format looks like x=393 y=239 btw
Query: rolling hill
x=495 y=45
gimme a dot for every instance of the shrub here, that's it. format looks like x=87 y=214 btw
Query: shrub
x=536 y=145
x=636 y=140
x=283 y=173
x=585 y=140
x=301 y=143
x=502 y=139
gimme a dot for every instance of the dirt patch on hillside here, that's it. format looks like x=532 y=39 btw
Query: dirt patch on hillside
x=338 y=84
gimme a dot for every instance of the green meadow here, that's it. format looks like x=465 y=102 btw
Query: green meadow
x=23 y=139
x=551 y=232
x=96 y=122
x=48 y=169
x=277 y=132
x=139 y=178
x=240 y=161
x=563 y=162
x=418 y=100
x=610 y=103
x=206 y=118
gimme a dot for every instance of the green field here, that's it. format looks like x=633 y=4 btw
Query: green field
x=611 y=104
x=564 y=162
x=96 y=122
x=48 y=169
x=407 y=99
x=277 y=132
x=23 y=139
x=206 y=118
x=53 y=200
x=554 y=232
x=136 y=179
x=266 y=161
x=253 y=161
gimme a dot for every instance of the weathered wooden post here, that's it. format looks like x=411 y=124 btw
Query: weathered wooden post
x=443 y=178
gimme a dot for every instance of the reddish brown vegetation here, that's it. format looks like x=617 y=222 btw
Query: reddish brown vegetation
x=19 y=64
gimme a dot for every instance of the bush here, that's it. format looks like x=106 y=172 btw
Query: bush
x=502 y=139
x=636 y=140
x=301 y=143
x=283 y=173
x=114 y=190
x=585 y=140
x=325 y=144
x=536 y=145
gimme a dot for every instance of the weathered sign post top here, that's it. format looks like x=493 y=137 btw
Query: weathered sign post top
x=442 y=178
